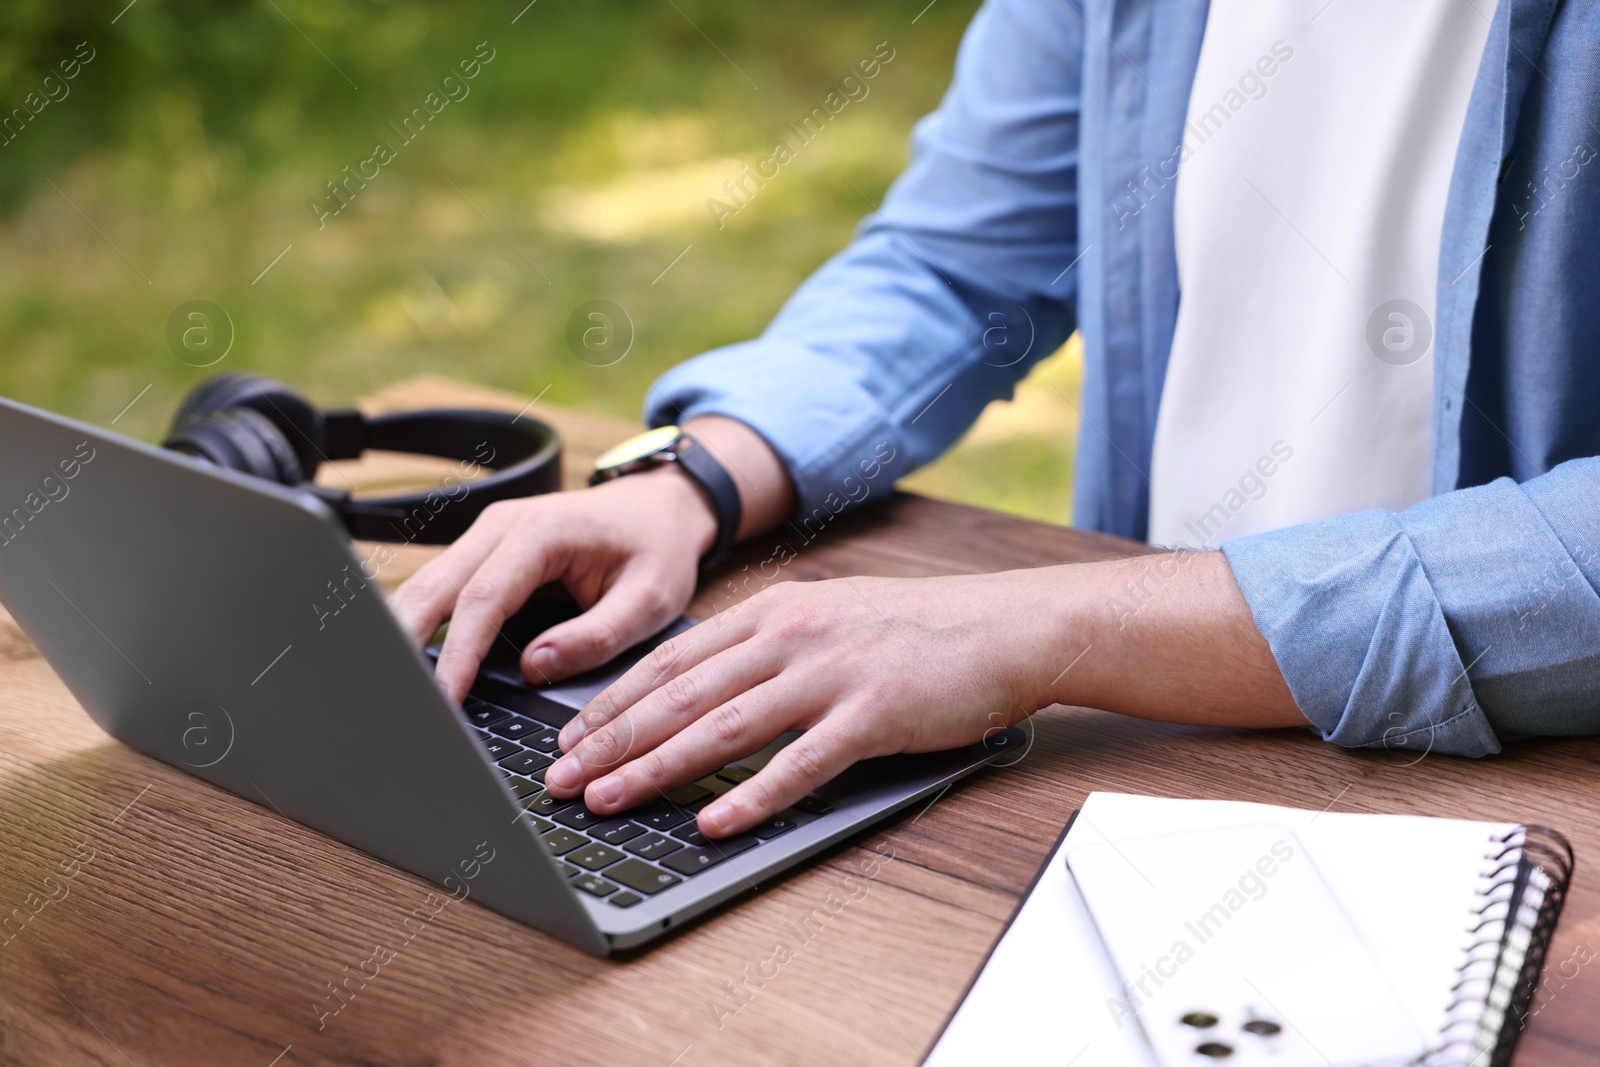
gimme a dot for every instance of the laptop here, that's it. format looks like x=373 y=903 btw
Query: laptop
x=231 y=628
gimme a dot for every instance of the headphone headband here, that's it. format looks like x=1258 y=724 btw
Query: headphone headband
x=260 y=426
x=524 y=455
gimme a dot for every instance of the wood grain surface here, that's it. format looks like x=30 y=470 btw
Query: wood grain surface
x=163 y=921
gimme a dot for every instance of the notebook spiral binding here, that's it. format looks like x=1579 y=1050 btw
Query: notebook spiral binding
x=1523 y=886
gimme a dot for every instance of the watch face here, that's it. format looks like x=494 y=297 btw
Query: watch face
x=636 y=448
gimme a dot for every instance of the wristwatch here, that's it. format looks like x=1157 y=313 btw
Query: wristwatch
x=669 y=444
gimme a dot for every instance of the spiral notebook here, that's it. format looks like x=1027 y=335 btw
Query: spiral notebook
x=1453 y=916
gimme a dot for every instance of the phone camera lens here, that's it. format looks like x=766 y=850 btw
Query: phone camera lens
x=1214 y=1049
x=1199 y=1020
x=1261 y=1028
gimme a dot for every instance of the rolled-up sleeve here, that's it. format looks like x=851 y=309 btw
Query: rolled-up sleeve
x=946 y=297
x=1470 y=618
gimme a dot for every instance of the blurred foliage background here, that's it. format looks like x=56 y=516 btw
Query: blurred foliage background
x=179 y=162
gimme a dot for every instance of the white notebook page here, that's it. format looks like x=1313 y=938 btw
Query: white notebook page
x=1409 y=883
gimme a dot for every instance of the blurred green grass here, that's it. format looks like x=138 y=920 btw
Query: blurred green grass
x=183 y=157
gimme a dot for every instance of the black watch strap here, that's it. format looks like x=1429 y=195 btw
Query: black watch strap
x=698 y=463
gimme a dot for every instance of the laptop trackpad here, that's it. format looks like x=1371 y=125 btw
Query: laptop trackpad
x=577 y=691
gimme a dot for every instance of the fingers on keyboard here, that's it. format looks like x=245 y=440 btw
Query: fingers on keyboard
x=624 y=858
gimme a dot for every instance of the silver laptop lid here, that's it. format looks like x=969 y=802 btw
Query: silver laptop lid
x=228 y=627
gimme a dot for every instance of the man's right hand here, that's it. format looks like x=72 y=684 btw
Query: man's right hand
x=627 y=550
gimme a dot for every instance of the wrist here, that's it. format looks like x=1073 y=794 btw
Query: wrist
x=1107 y=616
x=1036 y=632
x=686 y=505
x=1085 y=613
x=766 y=492
x=696 y=461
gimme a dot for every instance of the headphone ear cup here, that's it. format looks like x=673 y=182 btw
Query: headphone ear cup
x=219 y=392
x=239 y=439
x=300 y=425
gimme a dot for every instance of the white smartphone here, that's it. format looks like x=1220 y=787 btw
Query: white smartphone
x=1232 y=950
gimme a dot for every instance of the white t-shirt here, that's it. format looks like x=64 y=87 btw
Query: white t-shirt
x=1310 y=201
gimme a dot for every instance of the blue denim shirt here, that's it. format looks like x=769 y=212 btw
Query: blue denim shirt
x=1040 y=198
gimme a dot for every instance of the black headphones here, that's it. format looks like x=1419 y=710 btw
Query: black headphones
x=258 y=426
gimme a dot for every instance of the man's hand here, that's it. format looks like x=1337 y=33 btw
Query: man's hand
x=627 y=551
x=872 y=666
x=865 y=666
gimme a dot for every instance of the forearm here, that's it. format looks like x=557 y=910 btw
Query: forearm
x=1167 y=637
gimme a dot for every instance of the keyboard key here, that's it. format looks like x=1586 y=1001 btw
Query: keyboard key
x=780 y=823
x=641 y=877
x=545 y=740
x=594 y=856
x=546 y=804
x=524 y=762
x=579 y=818
x=568 y=870
x=652 y=846
x=523 y=787
x=561 y=840
x=480 y=714
x=593 y=883
x=695 y=860
x=625 y=900
x=515 y=727
x=615 y=831
x=690 y=834
x=733 y=774
x=531 y=802
x=812 y=804
x=659 y=816
x=686 y=796
x=499 y=748
x=540 y=824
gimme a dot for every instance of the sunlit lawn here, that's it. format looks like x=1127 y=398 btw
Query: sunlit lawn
x=576 y=165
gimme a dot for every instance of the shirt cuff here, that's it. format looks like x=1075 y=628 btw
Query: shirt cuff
x=1360 y=636
x=831 y=433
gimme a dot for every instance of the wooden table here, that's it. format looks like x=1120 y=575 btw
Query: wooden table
x=199 y=928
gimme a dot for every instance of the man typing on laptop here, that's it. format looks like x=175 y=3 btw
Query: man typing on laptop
x=1366 y=426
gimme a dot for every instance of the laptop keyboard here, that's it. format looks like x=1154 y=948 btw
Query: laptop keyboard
x=625 y=858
